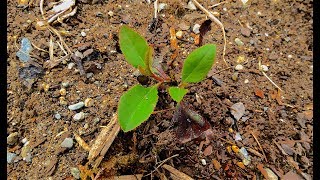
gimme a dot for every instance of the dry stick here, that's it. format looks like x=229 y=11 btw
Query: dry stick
x=213 y=18
x=217 y=4
x=162 y=162
x=60 y=37
x=155 y=4
x=41 y=9
x=39 y=48
x=265 y=157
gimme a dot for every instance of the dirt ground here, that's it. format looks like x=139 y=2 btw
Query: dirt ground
x=276 y=128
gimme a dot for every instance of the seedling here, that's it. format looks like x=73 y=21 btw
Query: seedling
x=137 y=104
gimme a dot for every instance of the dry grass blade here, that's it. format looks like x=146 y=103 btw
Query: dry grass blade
x=260 y=68
x=255 y=138
x=81 y=142
x=214 y=19
x=104 y=139
x=176 y=173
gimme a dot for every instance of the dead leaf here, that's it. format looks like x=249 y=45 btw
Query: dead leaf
x=204 y=28
x=207 y=151
x=259 y=93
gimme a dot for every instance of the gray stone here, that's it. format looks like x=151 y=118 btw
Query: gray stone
x=76 y=106
x=57 y=116
x=196 y=28
x=67 y=143
x=75 y=173
x=79 y=116
x=237 y=110
x=10 y=157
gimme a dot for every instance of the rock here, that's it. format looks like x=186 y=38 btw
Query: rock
x=75 y=173
x=89 y=75
x=264 y=68
x=12 y=138
x=179 y=34
x=71 y=65
x=26 y=153
x=57 y=116
x=67 y=143
x=237 y=137
x=161 y=6
x=79 y=116
x=191 y=6
x=238 y=42
x=196 y=28
x=203 y=162
x=65 y=84
x=235 y=76
x=238 y=67
x=245 y=32
x=24 y=140
x=62 y=91
x=110 y=13
x=271 y=174
x=76 y=106
x=10 y=157
x=78 y=54
x=238 y=110
x=287 y=149
x=246 y=81
x=83 y=34
x=88 y=102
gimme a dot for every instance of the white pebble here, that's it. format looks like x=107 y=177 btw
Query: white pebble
x=83 y=34
x=238 y=42
x=196 y=28
x=24 y=140
x=161 y=6
x=67 y=143
x=225 y=9
x=79 y=116
x=238 y=67
x=110 y=13
x=76 y=106
x=244 y=2
x=179 y=34
x=191 y=6
x=203 y=162
x=264 y=68
x=289 y=56
x=246 y=81
x=70 y=65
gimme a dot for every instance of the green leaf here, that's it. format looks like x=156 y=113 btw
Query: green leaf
x=198 y=63
x=136 y=105
x=133 y=46
x=177 y=93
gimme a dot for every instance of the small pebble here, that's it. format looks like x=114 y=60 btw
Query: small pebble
x=24 y=140
x=62 y=101
x=10 y=157
x=289 y=56
x=235 y=76
x=224 y=9
x=65 y=84
x=110 y=13
x=88 y=102
x=191 y=6
x=264 y=68
x=71 y=65
x=203 y=162
x=89 y=75
x=57 y=116
x=196 y=28
x=237 y=137
x=75 y=173
x=26 y=153
x=12 y=138
x=83 y=34
x=179 y=34
x=78 y=54
x=67 y=143
x=238 y=42
x=79 y=116
x=246 y=81
x=63 y=91
x=287 y=39
x=76 y=106
x=161 y=6
x=238 y=67
x=271 y=174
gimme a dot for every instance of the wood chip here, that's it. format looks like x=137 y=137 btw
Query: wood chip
x=177 y=173
x=216 y=164
x=263 y=171
x=81 y=142
x=104 y=139
x=259 y=93
x=126 y=177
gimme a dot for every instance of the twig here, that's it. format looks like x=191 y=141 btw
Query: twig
x=265 y=157
x=213 y=18
x=41 y=8
x=39 y=48
x=260 y=68
x=221 y=70
x=215 y=5
x=175 y=172
x=283 y=152
x=64 y=51
x=60 y=37
x=161 y=163
x=155 y=4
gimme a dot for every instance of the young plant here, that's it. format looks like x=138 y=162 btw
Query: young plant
x=137 y=104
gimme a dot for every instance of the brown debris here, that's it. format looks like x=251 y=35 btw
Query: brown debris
x=176 y=172
x=207 y=151
x=292 y=176
x=81 y=142
x=259 y=93
x=216 y=164
x=104 y=139
x=126 y=177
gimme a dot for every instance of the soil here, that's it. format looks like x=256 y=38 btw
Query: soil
x=276 y=128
